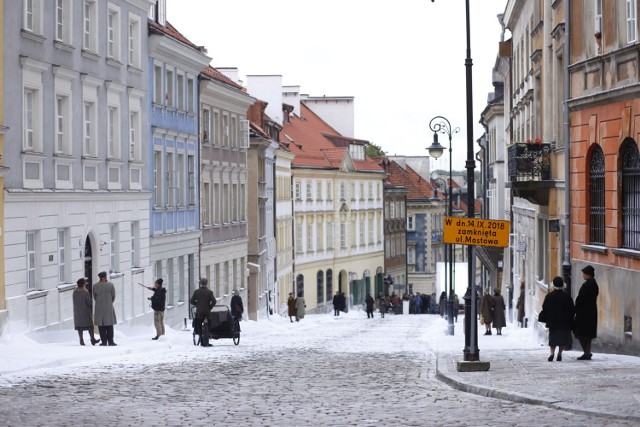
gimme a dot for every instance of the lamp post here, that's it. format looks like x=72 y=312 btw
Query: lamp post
x=437 y=125
x=471 y=352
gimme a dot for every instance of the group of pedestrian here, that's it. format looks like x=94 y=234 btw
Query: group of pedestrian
x=562 y=316
x=296 y=307
x=492 y=312
x=86 y=316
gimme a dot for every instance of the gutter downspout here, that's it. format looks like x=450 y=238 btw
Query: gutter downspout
x=566 y=263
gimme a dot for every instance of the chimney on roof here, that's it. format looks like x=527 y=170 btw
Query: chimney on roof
x=231 y=73
x=269 y=89
x=291 y=96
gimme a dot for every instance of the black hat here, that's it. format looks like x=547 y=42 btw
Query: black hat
x=102 y=274
x=159 y=282
x=80 y=281
x=589 y=270
x=558 y=283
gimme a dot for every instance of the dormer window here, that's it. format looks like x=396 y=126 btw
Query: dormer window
x=357 y=152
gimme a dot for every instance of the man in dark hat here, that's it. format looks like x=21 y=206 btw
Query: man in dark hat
x=586 y=309
x=104 y=294
x=204 y=300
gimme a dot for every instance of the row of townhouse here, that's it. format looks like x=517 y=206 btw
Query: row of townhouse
x=127 y=152
x=562 y=155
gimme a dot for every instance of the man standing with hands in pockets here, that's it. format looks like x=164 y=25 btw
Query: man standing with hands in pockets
x=104 y=294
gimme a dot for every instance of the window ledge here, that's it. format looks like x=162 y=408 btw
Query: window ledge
x=134 y=69
x=36 y=294
x=32 y=36
x=631 y=253
x=137 y=270
x=63 y=287
x=595 y=248
x=90 y=55
x=114 y=62
x=63 y=46
x=115 y=275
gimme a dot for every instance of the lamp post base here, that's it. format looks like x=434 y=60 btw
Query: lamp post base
x=476 y=366
x=450 y=326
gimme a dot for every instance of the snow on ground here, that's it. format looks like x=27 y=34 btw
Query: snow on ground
x=28 y=356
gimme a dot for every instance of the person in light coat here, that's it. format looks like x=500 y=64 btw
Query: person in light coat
x=300 y=307
x=104 y=294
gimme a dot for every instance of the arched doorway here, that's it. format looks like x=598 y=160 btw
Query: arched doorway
x=299 y=286
x=88 y=264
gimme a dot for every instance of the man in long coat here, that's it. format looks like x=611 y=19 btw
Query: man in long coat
x=204 y=300
x=104 y=294
x=586 y=321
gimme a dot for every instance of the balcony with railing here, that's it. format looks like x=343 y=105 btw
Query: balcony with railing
x=530 y=171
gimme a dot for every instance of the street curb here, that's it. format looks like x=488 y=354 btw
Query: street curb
x=520 y=398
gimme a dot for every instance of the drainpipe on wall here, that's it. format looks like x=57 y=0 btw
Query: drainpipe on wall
x=566 y=263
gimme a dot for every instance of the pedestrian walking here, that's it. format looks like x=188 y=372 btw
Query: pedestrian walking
x=291 y=307
x=442 y=302
x=300 y=307
x=456 y=306
x=520 y=305
x=336 y=304
x=158 y=303
x=486 y=312
x=369 y=305
x=382 y=305
x=417 y=304
x=343 y=302
x=83 y=312
x=499 y=320
x=204 y=300
x=104 y=294
x=558 y=312
x=237 y=308
x=586 y=309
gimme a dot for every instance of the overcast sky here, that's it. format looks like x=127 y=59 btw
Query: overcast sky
x=403 y=61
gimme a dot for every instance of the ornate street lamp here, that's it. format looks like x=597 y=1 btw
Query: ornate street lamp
x=471 y=352
x=441 y=125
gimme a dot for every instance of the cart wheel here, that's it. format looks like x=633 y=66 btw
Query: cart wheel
x=236 y=332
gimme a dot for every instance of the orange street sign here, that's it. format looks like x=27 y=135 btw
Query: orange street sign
x=476 y=232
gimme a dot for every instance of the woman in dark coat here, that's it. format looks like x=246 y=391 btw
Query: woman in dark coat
x=291 y=307
x=83 y=312
x=499 y=320
x=237 y=308
x=486 y=311
x=586 y=320
x=520 y=305
x=369 y=302
x=558 y=308
x=442 y=302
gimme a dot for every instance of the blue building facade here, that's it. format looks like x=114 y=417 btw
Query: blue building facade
x=174 y=64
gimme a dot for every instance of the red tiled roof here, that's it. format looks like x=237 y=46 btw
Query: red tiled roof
x=214 y=74
x=313 y=146
x=171 y=31
x=419 y=188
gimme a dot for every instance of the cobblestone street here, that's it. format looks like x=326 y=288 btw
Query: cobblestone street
x=356 y=372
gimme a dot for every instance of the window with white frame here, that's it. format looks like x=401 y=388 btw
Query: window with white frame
x=158 y=181
x=134 y=132
x=206 y=200
x=133 y=244
x=309 y=237
x=236 y=202
x=191 y=170
x=113 y=247
x=113 y=127
x=63 y=29
x=361 y=235
x=298 y=190
x=329 y=235
x=411 y=255
x=63 y=264
x=343 y=235
x=225 y=130
x=169 y=95
x=243 y=134
x=90 y=26
x=299 y=240
x=216 y=203
x=243 y=200
x=133 y=44
x=362 y=191
x=157 y=85
x=343 y=191
x=182 y=176
x=32 y=20
x=225 y=202
x=172 y=181
x=32 y=259
x=370 y=230
x=63 y=116
x=190 y=96
x=410 y=223
x=63 y=171
x=180 y=91
x=309 y=190
x=598 y=23
x=319 y=190
x=206 y=124
x=632 y=21
x=215 y=128
x=113 y=32
x=88 y=118
x=234 y=132
x=319 y=235
x=329 y=192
